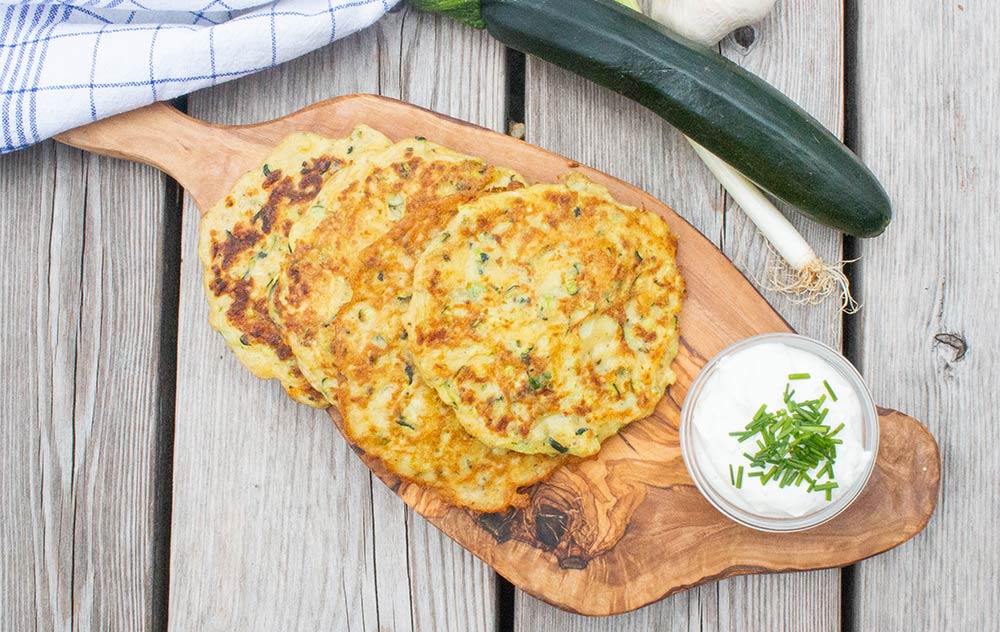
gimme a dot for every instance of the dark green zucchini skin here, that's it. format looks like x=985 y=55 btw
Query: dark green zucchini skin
x=726 y=109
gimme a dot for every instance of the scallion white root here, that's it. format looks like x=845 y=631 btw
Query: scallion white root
x=797 y=270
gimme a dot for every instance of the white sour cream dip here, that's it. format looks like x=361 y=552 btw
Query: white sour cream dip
x=733 y=393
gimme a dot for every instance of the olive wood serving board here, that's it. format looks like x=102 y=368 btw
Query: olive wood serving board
x=624 y=528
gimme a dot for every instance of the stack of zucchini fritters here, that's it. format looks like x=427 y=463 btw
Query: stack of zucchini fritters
x=473 y=331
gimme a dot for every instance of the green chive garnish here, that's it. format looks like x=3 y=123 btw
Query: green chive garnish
x=794 y=444
x=829 y=390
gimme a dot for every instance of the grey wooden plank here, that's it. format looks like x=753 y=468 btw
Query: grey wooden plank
x=585 y=122
x=35 y=579
x=435 y=63
x=82 y=302
x=118 y=393
x=399 y=573
x=927 y=124
x=272 y=512
x=799 y=48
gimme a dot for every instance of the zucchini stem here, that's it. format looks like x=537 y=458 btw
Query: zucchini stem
x=467 y=11
x=795 y=269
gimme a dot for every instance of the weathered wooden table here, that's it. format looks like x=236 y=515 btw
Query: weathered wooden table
x=148 y=481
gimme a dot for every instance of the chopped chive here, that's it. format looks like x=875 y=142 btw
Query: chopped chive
x=825 y=486
x=829 y=390
x=794 y=445
x=814 y=429
x=770 y=474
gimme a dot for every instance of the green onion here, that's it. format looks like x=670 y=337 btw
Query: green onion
x=798 y=376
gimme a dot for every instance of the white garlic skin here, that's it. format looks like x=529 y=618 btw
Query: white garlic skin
x=708 y=21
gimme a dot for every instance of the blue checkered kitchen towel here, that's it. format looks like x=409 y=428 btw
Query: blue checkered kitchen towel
x=64 y=63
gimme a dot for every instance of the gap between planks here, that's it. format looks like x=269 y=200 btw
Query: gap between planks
x=851 y=323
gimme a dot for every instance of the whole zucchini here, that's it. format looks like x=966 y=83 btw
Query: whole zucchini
x=727 y=110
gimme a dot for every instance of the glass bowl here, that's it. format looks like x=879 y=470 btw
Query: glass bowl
x=694 y=459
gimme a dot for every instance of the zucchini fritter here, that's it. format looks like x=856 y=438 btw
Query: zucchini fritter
x=244 y=238
x=547 y=317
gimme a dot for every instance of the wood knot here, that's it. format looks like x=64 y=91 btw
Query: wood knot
x=573 y=563
x=957 y=343
x=745 y=36
x=550 y=526
x=498 y=525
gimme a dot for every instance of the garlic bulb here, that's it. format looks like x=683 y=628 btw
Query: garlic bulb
x=708 y=21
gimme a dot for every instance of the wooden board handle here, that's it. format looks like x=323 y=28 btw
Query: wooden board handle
x=182 y=146
x=157 y=134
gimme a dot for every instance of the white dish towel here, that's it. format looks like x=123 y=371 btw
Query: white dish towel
x=64 y=63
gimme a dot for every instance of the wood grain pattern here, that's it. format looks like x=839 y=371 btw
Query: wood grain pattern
x=34 y=584
x=607 y=535
x=927 y=125
x=83 y=276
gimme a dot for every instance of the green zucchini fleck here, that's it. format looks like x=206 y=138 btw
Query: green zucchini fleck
x=402 y=422
x=539 y=382
x=558 y=447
